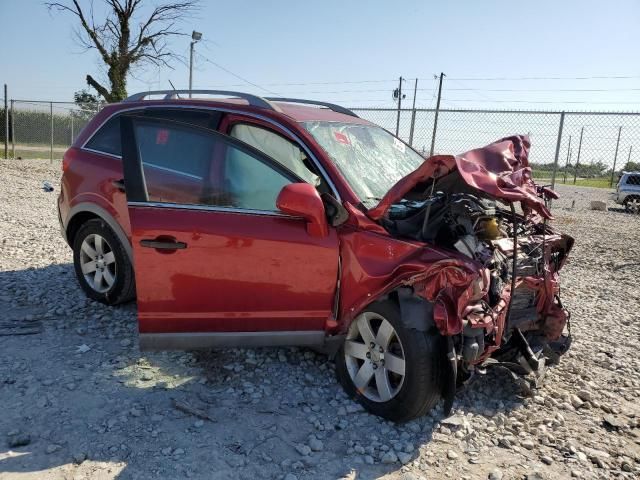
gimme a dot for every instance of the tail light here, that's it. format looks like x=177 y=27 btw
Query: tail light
x=66 y=160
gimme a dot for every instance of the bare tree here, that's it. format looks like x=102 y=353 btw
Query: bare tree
x=126 y=38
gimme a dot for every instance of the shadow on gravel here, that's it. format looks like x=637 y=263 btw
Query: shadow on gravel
x=90 y=404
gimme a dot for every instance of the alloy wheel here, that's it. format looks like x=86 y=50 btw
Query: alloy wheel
x=98 y=263
x=374 y=357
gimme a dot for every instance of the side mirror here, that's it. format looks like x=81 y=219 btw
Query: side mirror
x=303 y=200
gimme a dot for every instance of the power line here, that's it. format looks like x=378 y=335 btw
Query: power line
x=547 y=89
x=236 y=75
x=302 y=84
x=540 y=101
x=603 y=77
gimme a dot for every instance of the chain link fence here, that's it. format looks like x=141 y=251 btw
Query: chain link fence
x=42 y=129
x=584 y=148
x=592 y=147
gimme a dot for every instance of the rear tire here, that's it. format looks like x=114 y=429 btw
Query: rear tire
x=632 y=204
x=406 y=396
x=102 y=265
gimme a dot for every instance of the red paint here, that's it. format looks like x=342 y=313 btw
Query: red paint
x=244 y=272
x=238 y=273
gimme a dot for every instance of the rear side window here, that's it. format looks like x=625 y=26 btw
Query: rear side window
x=633 y=180
x=179 y=151
x=107 y=138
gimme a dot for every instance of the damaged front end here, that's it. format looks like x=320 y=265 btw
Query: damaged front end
x=488 y=270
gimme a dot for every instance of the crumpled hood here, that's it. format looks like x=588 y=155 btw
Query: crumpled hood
x=501 y=169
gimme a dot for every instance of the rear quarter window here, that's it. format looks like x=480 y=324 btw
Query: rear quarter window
x=633 y=180
x=107 y=138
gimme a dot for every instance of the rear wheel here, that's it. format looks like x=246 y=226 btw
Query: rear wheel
x=102 y=265
x=393 y=371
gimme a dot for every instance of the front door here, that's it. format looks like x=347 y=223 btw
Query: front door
x=216 y=263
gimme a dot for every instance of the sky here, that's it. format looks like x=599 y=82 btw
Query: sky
x=543 y=55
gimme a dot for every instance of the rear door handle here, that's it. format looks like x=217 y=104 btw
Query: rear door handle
x=119 y=184
x=163 y=244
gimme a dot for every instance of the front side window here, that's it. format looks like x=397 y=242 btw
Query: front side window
x=370 y=158
x=277 y=147
x=192 y=166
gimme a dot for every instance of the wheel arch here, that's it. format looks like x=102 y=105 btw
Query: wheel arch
x=83 y=212
x=415 y=312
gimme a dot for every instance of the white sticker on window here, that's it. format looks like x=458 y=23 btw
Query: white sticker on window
x=398 y=145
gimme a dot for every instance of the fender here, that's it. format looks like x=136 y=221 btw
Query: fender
x=104 y=215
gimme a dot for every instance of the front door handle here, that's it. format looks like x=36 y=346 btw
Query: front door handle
x=163 y=244
x=119 y=184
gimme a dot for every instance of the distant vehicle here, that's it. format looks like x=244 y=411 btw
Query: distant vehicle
x=628 y=192
x=247 y=221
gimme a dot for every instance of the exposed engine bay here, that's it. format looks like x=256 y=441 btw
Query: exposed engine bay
x=518 y=252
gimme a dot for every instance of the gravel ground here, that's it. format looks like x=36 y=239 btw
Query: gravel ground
x=80 y=401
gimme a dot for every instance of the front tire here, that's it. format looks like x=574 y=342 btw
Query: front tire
x=395 y=372
x=102 y=265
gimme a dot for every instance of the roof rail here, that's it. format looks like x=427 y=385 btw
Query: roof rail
x=253 y=100
x=331 y=106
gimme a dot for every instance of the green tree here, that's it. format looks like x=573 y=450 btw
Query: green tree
x=126 y=38
x=632 y=167
x=88 y=104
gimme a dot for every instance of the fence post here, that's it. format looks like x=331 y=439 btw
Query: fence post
x=435 y=120
x=615 y=157
x=6 y=124
x=13 y=131
x=558 y=143
x=413 y=113
x=575 y=172
x=51 y=146
x=566 y=163
x=71 y=129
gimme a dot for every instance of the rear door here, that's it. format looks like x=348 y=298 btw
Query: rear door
x=216 y=264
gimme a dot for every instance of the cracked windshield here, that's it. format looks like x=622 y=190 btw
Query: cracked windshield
x=371 y=159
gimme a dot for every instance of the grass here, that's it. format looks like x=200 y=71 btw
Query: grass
x=600 y=182
x=544 y=177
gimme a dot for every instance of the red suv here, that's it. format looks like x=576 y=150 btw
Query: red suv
x=245 y=221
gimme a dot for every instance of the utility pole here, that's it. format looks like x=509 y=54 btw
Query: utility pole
x=575 y=172
x=399 y=93
x=615 y=157
x=629 y=157
x=6 y=124
x=195 y=36
x=435 y=121
x=413 y=112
